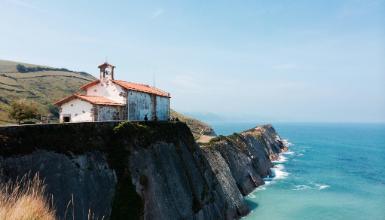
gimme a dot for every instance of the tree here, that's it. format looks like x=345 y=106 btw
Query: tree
x=21 y=68
x=54 y=110
x=22 y=109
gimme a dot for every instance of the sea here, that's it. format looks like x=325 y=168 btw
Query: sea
x=332 y=171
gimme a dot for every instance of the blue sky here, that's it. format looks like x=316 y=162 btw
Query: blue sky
x=302 y=61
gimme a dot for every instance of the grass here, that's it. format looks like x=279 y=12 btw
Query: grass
x=43 y=87
x=25 y=200
x=198 y=128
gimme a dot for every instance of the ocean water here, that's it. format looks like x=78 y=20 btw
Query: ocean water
x=332 y=171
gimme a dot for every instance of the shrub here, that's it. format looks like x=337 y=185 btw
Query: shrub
x=21 y=68
x=22 y=109
x=54 y=110
x=25 y=69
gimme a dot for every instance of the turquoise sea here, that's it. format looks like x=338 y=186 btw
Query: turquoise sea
x=332 y=171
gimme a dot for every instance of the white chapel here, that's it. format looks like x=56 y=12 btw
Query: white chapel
x=108 y=99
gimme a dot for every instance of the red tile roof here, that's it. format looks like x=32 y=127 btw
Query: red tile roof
x=85 y=86
x=98 y=100
x=132 y=86
x=141 y=88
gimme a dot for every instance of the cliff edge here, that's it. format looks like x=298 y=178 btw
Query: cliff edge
x=139 y=170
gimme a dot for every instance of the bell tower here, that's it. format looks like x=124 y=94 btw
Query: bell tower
x=106 y=71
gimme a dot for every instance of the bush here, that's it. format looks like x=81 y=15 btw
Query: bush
x=22 y=109
x=25 y=69
x=21 y=68
x=54 y=110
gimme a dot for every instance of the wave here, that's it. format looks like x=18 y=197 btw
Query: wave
x=302 y=187
x=322 y=186
x=281 y=159
x=288 y=152
x=278 y=172
x=317 y=186
x=286 y=142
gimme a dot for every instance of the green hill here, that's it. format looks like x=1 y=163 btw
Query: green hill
x=45 y=85
x=41 y=84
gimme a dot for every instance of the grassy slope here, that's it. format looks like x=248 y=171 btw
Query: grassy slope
x=43 y=87
x=198 y=128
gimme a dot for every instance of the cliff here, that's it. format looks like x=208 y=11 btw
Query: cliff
x=139 y=170
x=247 y=155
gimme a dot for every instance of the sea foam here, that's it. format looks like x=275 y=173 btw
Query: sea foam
x=288 y=153
x=281 y=159
x=321 y=186
x=302 y=187
x=286 y=142
x=278 y=172
x=315 y=186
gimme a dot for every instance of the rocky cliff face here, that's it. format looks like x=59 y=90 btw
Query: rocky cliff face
x=247 y=155
x=138 y=170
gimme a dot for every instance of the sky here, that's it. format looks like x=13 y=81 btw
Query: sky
x=271 y=61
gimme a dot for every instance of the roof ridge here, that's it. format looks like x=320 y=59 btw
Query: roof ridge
x=134 y=83
x=91 y=99
x=140 y=87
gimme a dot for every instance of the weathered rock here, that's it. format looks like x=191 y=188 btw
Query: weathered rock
x=140 y=170
x=247 y=155
x=84 y=179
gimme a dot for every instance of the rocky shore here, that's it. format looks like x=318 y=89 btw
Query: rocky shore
x=140 y=170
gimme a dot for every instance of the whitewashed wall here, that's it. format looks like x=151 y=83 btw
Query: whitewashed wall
x=78 y=110
x=162 y=108
x=109 y=90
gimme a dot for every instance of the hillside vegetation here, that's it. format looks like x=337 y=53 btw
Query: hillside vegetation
x=41 y=84
x=45 y=85
x=198 y=128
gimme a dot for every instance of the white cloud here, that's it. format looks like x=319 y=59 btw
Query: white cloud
x=158 y=12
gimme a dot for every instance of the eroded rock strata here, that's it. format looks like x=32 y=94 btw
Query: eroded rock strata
x=140 y=170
